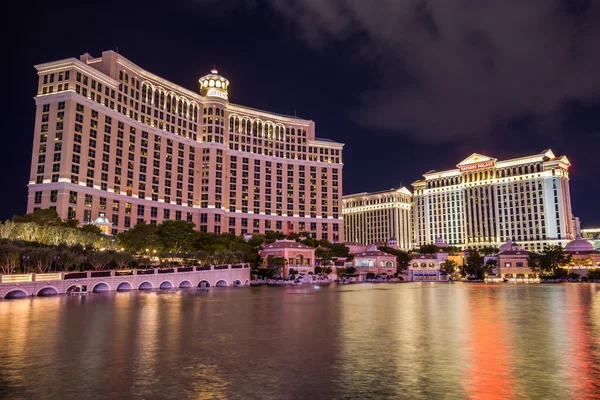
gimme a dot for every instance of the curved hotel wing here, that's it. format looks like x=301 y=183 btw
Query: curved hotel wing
x=113 y=139
x=484 y=201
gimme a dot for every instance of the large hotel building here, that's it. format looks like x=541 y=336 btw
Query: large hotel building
x=485 y=202
x=481 y=202
x=114 y=139
x=378 y=217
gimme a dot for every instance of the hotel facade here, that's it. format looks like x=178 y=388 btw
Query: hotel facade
x=114 y=140
x=485 y=202
x=378 y=217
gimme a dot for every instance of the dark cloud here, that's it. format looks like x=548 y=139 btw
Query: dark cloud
x=454 y=69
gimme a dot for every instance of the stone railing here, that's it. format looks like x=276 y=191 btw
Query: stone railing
x=59 y=276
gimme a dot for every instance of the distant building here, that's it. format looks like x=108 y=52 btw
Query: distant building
x=427 y=267
x=583 y=255
x=576 y=227
x=376 y=217
x=376 y=262
x=485 y=201
x=513 y=265
x=593 y=235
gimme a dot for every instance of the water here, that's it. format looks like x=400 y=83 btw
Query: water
x=379 y=341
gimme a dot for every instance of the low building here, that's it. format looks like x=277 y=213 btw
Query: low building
x=583 y=256
x=373 y=261
x=427 y=267
x=298 y=256
x=513 y=265
x=103 y=223
x=513 y=260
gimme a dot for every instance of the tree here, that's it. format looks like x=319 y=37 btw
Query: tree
x=448 y=266
x=428 y=249
x=339 y=250
x=550 y=260
x=594 y=273
x=323 y=254
x=42 y=258
x=122 y=259
x=99 y=259
x=10 y=257
x=176 y=236
x=272 y=236
x=140 y=237
x=274 y=265
x=203 y=257
x=475 y=264
x=42 y=217
x=68 y=258
x=7 y=229
x=452 y=249
x=489 y=266
x=93 y=229
x=489 y=251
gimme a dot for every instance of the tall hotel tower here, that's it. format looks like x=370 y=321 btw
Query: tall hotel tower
x=484 y=202
x=114 y=139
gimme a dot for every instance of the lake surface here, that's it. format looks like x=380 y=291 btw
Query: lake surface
x=376 y=341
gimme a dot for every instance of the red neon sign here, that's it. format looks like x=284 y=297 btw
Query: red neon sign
x=480 y=165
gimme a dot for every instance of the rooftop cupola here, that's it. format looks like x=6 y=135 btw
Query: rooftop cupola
x=214 y=85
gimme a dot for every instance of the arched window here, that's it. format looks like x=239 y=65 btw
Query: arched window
x=231 y=124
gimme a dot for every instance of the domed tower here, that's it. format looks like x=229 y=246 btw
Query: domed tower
x=213 y=87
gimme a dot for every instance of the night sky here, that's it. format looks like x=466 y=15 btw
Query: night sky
x=408 y=86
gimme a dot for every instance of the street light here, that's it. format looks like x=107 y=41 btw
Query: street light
x=25 y=259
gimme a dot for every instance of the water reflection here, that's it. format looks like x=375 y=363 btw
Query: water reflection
x=340 y=342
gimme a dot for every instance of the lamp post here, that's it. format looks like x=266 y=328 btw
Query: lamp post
x=25 y=260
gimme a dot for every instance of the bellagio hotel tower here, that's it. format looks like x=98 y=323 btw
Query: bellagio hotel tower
x=114 y=140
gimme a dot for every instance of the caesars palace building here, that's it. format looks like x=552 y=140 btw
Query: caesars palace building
x=113 y=140
x=485 y=202
x=481 y=202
